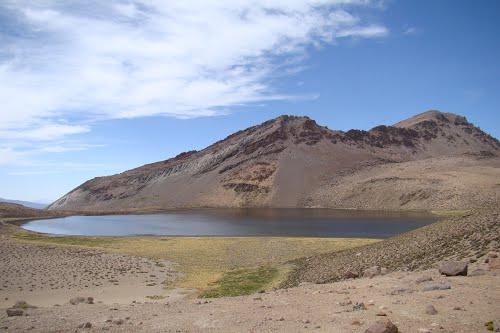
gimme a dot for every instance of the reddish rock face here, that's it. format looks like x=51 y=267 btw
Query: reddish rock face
x=294 y=162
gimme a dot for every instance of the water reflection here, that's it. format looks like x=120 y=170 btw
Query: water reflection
x=239 y=222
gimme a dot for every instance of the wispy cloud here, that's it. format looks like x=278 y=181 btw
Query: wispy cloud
x=410 y=31
x=65 y=63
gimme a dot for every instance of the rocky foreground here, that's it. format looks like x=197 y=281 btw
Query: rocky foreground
x=424 y=301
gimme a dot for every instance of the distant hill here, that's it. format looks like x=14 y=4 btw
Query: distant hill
x=433 y=160
x=25 y=203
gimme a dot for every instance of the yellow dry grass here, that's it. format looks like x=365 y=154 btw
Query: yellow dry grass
x=204 y=260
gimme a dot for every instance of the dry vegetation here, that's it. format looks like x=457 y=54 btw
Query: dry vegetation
x=204 y=260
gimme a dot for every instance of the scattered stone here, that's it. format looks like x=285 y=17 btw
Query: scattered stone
x=14 y=312
x=351 y=275
x=372 y=272
x=436 y=286
x=23 y=305
x=453 y=268
x=385 y=326
x=85 y=325
x=118 y=322
x=359 y=307
x=430 y=310
x=77 y=300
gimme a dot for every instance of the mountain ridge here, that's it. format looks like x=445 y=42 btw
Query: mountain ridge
x=287 y=162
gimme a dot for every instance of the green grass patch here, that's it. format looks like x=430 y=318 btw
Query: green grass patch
x=244 y=281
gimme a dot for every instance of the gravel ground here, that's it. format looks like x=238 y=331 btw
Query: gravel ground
x=469 y=236
x=465 y=307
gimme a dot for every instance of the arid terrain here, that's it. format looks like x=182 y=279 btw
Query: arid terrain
x=443 y=277
x=127 y=296
x=433 y=160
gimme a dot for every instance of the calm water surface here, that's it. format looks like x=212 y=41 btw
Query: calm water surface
x=238 y=222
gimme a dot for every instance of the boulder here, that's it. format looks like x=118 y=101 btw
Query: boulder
x=383 y=326
x=453 y=268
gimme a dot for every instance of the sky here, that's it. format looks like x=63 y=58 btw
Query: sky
x=93 y=88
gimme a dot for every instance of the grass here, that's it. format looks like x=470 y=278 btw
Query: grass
x=212 y=264
x=244 y=281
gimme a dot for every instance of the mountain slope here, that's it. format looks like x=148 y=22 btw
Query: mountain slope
x=432 y=160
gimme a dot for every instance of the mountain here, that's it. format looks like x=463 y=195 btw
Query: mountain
x=433 y=160
x=25 y=203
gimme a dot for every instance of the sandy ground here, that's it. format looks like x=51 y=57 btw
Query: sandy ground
x=465 y=307
x=48 y=275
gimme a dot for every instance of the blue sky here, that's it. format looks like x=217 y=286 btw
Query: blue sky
x=95 y=88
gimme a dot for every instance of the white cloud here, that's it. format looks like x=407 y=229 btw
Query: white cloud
x=63 y=63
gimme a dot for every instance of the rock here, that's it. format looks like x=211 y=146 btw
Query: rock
x=424 y=330
x=384 y=271
x=359 y=307
x=118 y=321
x=492 y=255
x=85 y=325
x=436 y=286
x=77 y=300
x=430 y=310
x=385 y=326
x=80 y=299
x=351 y=275
x=14 y=312
x=453 y=268
x=23 y=305
x=494 y=263
x=381 y=314
x=372 y=272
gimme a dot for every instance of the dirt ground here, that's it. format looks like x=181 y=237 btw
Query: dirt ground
x=470 y=302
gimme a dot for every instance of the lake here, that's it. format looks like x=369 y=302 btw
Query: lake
x=238 y=222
